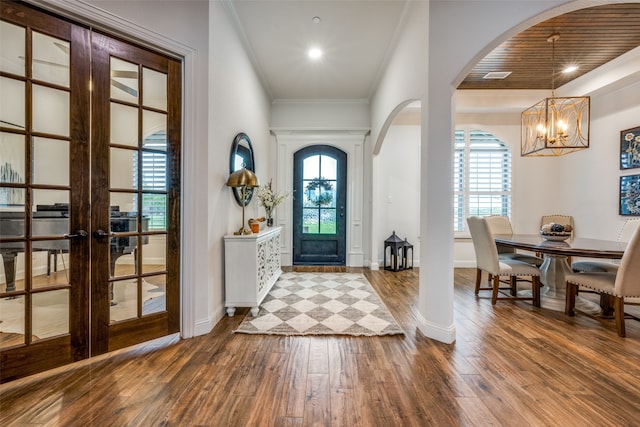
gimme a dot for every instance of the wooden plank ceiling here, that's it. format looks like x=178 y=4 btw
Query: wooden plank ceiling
x=588 y=38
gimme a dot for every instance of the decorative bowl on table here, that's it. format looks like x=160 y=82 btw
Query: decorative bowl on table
x=556 y=232
x=556 y=237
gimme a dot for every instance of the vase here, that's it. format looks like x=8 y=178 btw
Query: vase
x=269 y=214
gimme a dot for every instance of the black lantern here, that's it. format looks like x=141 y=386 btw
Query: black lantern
x=396 y=246
x=405 y=255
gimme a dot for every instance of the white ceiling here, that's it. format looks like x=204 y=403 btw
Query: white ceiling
x=356 y=37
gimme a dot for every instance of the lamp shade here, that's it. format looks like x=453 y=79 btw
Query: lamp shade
x=243 y=178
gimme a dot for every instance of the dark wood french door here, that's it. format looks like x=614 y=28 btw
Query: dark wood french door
x=319 y=206
x=89 y=192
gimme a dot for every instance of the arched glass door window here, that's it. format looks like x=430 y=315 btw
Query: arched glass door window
x=320 y=195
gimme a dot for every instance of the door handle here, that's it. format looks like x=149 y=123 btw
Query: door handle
x=100 y=234
x=80 y=234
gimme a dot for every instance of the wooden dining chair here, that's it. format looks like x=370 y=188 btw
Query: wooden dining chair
x=593 y=266
x=499 y=224
x=487 y=260
x=617 y=286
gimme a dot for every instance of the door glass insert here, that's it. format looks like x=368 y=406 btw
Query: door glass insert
x=13 y=268
x=51 y=213
x=123 y=249
x=50 y=110
x=154 y=253
x=12 y=321
x=124 y=81
x=50 y=263
x=154 y=88
x=319 y=195
x=12 y=150
x=124 y=168
x=12 y=103
x=124 y=125
x=50 y=161
x=50 y=313
x=124 y=303
x=50 y=61
x=123 y=204
x=154 y=298
x=12 y=44
x=154 y=129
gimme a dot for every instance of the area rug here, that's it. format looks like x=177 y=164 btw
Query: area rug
x=321 y=304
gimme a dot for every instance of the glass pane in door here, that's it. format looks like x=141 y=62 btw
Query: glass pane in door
x=124 y=168
x=154 y=299
x=124 y=302
x=12 y=56
x=50 y=61
x=50 y=313
x=154 y=88
x=50 y=161
x=124 y=125
x=124 y=81
x=50 y=110
x=12 y=103
x=12 y=321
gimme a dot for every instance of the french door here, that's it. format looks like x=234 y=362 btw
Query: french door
x=319 y=215
x=89 y=192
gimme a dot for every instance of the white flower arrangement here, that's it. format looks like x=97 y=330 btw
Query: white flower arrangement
x=268 y=198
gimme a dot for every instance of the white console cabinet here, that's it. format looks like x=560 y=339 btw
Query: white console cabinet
x=252 y=267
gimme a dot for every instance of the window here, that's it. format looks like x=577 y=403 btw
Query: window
x=481 y=177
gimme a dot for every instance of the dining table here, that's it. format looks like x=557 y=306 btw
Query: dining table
x=555 y=264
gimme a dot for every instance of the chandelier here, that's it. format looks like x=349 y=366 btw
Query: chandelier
x=556 y=125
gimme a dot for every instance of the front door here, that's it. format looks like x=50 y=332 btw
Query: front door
x=88 y=192
x=319 y=206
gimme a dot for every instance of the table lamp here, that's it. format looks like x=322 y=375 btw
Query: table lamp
x=243 y=179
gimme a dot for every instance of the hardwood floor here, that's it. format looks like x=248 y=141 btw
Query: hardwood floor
x=510 y=365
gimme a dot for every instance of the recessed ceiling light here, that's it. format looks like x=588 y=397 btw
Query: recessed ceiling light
x=314 y=53
x=315 y=19
x=570 y=69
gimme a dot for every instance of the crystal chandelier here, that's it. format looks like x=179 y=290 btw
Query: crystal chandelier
x=555 y=126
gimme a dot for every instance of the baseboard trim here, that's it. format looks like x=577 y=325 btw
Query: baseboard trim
x=431 y=330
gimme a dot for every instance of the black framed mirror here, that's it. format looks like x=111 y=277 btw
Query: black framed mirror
x=242 y=156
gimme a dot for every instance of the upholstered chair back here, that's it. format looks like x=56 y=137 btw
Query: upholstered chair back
x=484 y=245
x=628 y=276
x=499 y=224
x=628 y=228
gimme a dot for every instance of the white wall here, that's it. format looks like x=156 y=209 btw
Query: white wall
x=237 y=103
x=398 y=190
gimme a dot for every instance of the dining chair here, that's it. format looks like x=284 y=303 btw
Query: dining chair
x=499 y=224
x=617 y=286
x=558 y=219
x=627 y=230
x=487 y=259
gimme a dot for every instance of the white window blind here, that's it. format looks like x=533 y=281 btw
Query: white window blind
x=481 y=177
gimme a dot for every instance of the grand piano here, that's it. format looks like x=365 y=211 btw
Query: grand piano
x=53 y=220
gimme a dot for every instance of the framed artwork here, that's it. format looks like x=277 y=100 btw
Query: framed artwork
x=630 y=148
x=630 y=195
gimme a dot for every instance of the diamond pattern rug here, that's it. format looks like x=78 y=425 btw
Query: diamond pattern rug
x=321 y=304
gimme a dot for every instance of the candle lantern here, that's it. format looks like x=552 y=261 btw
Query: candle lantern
x=405 y=255
x=396 y=250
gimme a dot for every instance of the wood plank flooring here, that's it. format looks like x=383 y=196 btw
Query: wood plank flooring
x=510 y=365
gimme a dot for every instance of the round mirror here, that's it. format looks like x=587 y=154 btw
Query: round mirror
x=242 y=157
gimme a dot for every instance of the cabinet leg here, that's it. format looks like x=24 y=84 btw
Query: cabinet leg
x=254 y=311
x=231 y=311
